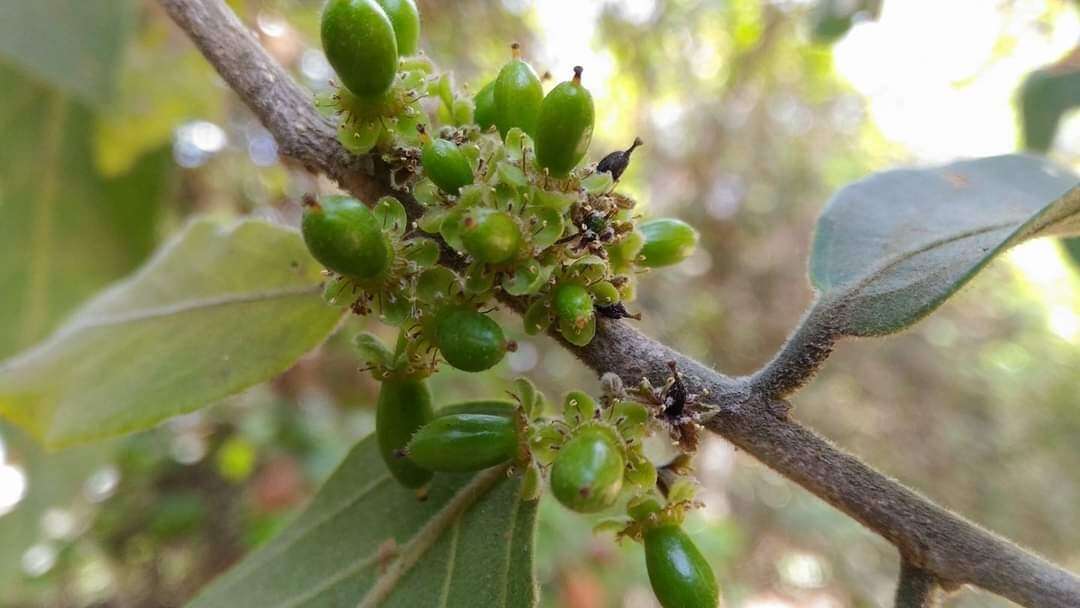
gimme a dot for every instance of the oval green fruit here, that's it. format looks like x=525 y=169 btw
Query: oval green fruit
x=464 y=442
x=667 y=241
x=604 y=293
x=404 y=407
x=490 y=236
x=446 y=165
x=484 y=114
x=588 y=472
x=518 y=95
x=469 y=340
x=490 y=407
x=573 y=303
x=564 y=126
x=406 y=21
x=679 y=574
x=361 y=45
x=344 y=235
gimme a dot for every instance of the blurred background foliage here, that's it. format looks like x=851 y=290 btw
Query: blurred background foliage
x=115 y=130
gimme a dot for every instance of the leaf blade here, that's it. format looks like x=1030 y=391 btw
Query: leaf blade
x=444 y=551
x=219 y=309
x=890 y=249
x=73 y=47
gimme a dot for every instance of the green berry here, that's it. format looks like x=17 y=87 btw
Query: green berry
x=344 y=235
x=403 y=407
x=484 y=114
x=667 y=241
x=490 y=236
x=464 y=442
x=564 y=126
x=578 y=334
x=573 y=303
x=446 y=165
x=469 y=340
x=518 y=95
x=604 y=293
x=490 y=407
x=679 y=573
x=588 y=472
x=406 y=21
x=361 y=45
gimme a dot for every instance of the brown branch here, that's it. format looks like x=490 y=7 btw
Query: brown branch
x=917 y=588
x=749 y=414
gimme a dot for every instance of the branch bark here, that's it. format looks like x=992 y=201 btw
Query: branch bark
x=750 y=412
x=917 y=588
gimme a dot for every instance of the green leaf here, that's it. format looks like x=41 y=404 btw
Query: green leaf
x=365 y=541
x=1046 y=95
x=64 y=231
x=891 y=248
x=74 y=47
x=217 y=310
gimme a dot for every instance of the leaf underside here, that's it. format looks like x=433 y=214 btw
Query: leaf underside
x=891 y=248
x=73 y=47
x=365 y=541
x=217 y=310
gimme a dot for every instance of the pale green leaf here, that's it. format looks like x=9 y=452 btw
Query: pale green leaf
x=366 y=541
x=893 y=247
x=73 y=47
x=218 y=309
x=64 y=231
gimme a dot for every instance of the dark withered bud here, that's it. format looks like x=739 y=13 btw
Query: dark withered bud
x=616 y=162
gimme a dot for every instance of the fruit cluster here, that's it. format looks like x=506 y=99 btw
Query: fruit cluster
x=511 y=213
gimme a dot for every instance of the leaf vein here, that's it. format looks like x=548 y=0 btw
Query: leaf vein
x=419 y=544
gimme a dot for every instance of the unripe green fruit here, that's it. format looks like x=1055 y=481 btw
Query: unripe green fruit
x=604 y=293
x=464 y=442
x=446 y=165
x=588 y=472
x=679 y=573
x=576 y=333
x=361 y=45
x=490 y=236
x=564 y=126
x=344 y=235
x=573 y=303
x=491 y=407
x=404 y=407
x=469 y=340
x=667 y=241
x=518 y=95
x=484 y=114
x=406 y=21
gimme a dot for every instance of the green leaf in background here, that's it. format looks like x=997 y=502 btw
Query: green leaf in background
x=73 y=47
x=1045 y=97
x=891 y=248
x=365 y=541
x=64 y=231
x=217 y=310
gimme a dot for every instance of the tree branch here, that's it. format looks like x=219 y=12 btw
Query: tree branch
x=917 y=588
x=749 y=414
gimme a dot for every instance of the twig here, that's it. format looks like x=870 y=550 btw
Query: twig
x=749 y=413
x=917 y=588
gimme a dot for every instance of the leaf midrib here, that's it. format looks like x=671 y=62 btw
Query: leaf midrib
x=426 y=536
